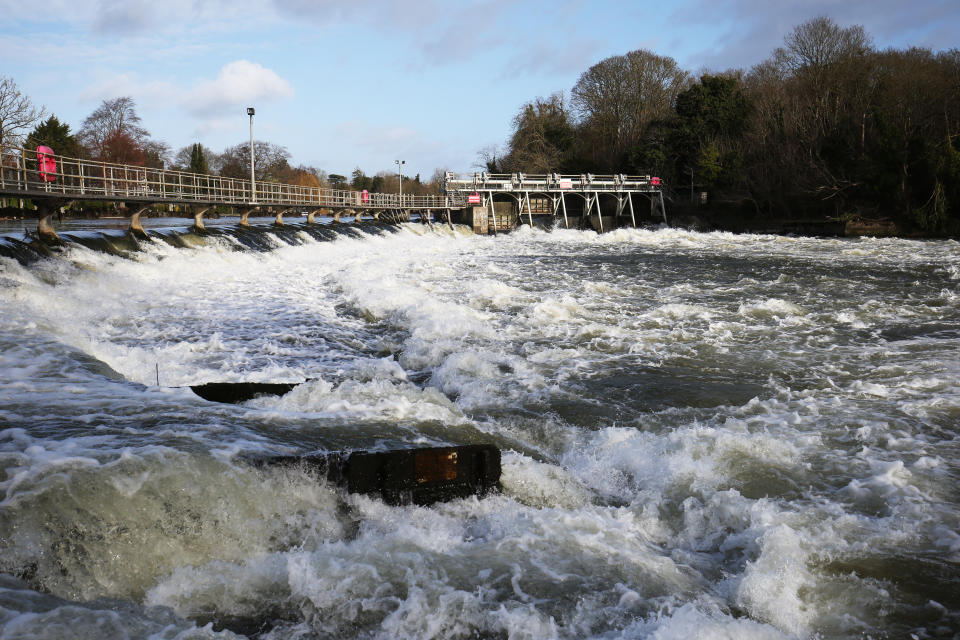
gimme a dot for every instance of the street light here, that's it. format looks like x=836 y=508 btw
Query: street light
x=253 y=179
x=400 y=164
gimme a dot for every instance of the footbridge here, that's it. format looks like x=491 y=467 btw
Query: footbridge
x=561 y=195
x=52 y=181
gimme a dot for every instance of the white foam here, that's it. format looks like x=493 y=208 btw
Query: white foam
x=772 y=585
x=655 y=521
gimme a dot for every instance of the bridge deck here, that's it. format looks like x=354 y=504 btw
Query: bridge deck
x=23 y=175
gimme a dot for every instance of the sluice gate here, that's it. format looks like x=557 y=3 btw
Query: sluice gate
x=600 y=201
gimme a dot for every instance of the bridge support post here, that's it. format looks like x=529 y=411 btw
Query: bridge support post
x=198 y=226
x=360 y=213
x=45 y=230
x=136 y=227
x=310 y=215
x=278 y=222
x=244 y=215
x=493 y=211
x=596 y=199
x=633 y=218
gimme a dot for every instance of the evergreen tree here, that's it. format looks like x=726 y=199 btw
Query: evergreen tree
x=56 y=135
x=705 y=136
x=198 y=160
x=359 y=180
x=542 y=137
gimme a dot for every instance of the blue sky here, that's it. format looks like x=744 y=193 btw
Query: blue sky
x=362 y=83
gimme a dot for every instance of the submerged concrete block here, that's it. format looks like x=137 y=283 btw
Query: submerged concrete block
x=408 y=476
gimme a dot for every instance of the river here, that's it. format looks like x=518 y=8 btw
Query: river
x=703 y=434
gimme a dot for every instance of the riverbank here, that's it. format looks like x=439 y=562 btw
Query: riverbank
x=744 y=219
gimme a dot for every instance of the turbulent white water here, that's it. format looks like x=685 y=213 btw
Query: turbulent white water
x=704 y=435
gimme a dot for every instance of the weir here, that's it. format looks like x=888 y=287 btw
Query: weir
x=72 y=179
x=556 y=194
x=598 y=201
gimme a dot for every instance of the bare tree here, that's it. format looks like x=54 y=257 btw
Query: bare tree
x=387 y=181
x=820 y=42
x=156 y=154
x=271 y=161
x=619 y=97
x=320 y=174
x=112 y=119
x=813 y=106
x=489 y=159
x=17 y=113
x=439 y=179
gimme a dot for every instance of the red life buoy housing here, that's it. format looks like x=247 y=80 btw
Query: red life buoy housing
x=46 y=164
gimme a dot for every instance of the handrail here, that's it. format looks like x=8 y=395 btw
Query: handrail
x=81 y=179
x=483 y=181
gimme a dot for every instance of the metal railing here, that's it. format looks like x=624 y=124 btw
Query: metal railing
x=548 y=182
x=23 y=174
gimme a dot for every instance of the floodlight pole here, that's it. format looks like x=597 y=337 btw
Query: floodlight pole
x=400 y=164
x=253 y=178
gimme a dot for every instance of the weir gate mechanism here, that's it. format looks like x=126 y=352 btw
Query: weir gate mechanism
x=560 y=195
x=51 y=182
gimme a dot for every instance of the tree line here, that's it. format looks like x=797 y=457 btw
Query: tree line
x=113 y=133
x=827 y=127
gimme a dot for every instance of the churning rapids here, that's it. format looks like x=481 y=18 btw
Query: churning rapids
x=704 y=435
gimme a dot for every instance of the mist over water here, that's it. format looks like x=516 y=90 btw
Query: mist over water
x=704 y=435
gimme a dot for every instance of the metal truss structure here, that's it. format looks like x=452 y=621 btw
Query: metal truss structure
x=481 y=188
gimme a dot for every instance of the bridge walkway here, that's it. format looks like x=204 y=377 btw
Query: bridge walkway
x=53 y=181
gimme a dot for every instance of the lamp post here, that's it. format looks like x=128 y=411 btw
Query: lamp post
x=253 y=179
x=400 y=164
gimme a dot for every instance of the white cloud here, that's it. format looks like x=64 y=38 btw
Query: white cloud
x=239 y=83
x=109 y=86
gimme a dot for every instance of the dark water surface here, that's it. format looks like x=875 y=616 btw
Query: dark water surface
x=704 y=435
